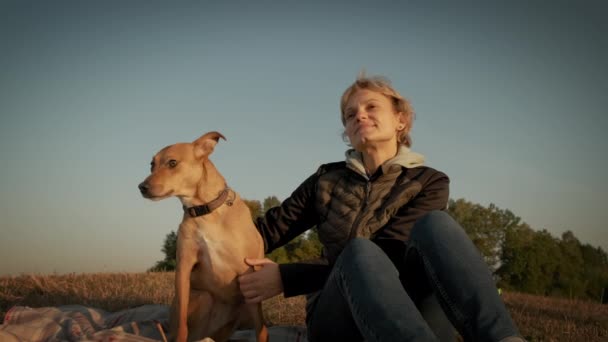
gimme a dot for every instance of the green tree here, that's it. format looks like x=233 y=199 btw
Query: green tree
x=270 y=202
x=530 y=261
x=255 y=207
x=169 y=249
x=595 y=271
x=514 y=257
x=279 y=256
x=568 y=277
x=544 y=259
x=536 y=262
x=485 y=226
x=303 y=247
x=315 y=247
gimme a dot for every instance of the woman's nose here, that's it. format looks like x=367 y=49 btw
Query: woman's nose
x=361 y=114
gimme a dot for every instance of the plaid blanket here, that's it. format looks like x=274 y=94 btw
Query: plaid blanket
x=81 y=323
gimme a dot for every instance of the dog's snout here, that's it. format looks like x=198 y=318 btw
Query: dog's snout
x=143 y=188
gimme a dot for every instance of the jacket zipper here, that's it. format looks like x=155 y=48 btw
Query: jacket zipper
x=355 y=228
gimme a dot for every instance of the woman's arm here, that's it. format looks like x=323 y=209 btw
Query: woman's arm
x=277 y=227
x=294 y=216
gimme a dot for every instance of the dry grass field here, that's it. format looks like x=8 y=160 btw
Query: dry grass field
x=539 y=318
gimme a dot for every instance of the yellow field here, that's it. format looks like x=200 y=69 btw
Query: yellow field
x=539 y=318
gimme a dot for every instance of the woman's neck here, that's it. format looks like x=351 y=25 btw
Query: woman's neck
x=374 y=157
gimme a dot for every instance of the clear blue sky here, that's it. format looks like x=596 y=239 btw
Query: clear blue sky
x=510 y=97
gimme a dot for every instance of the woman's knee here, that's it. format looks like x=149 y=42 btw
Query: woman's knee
x=362 y=253
x=361 y=248
x=436 y=225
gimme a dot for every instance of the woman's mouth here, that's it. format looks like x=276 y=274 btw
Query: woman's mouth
x=364 y=127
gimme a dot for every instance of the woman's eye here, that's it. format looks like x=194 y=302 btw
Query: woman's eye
x=172 y=163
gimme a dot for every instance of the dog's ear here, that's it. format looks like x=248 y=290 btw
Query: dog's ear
x=204 y=145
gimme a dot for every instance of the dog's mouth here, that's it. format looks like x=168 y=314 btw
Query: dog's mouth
x=158 y=197
x=146 y=192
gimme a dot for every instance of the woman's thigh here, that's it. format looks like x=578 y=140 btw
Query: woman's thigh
x=363 y=298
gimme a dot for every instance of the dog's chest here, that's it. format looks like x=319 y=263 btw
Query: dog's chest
x=219 y=262
x=213 y=250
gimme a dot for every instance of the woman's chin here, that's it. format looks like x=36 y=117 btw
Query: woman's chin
x=360 y=144
x=367 y=143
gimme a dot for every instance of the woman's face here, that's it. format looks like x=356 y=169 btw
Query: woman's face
x=371 y=120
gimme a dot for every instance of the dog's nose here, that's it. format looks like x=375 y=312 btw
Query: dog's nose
x=143 y=188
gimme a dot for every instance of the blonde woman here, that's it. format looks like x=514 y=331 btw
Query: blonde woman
x=388 y=244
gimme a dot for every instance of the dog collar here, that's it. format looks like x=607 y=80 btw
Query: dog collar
x=204 y=209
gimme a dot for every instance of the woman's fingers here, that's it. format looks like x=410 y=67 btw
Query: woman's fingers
x=257 y=264
x=263 y=284
x=253 y=300
x=251 y=293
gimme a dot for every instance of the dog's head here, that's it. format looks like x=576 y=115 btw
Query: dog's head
x=177 y=169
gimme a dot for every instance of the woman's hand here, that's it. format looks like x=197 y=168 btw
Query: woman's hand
x=262 y=284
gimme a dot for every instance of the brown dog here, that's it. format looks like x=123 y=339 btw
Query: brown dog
x=215 y=236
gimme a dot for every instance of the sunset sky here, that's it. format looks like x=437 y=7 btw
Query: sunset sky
x=510 y=100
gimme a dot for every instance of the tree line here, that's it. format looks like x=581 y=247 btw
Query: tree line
x=521 y=258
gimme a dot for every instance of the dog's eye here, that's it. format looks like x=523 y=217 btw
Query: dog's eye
x=151 y=166
x=172 y=163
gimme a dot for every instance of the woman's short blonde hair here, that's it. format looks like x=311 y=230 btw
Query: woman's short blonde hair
x=383 y=86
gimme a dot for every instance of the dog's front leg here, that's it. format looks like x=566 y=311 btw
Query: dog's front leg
x=255 y=312
x=187 y=251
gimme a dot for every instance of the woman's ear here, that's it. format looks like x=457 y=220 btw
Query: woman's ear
x=405 y=122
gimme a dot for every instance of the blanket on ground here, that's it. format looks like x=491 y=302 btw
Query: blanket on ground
x=81 y=323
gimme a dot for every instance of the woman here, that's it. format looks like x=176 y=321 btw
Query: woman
x=387 y=243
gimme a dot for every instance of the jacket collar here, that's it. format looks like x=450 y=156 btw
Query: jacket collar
x=404 y=157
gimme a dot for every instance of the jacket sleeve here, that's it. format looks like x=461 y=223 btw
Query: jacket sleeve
x=283 y=223
x=294 y=216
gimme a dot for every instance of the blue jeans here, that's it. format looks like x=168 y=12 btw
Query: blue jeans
x=365 y=298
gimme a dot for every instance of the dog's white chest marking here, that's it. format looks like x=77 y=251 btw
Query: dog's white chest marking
x=215 y=252
x=218 y=264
